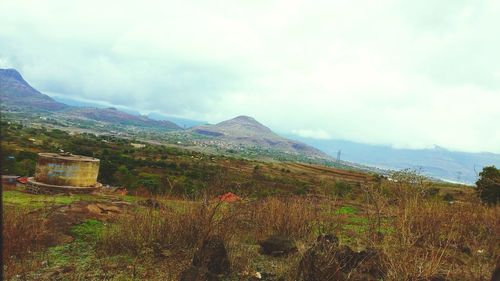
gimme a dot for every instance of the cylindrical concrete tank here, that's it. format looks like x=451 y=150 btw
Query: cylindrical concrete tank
x=67 y=170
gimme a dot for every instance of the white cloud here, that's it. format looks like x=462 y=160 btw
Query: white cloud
x=313 y=134
x=405 y=73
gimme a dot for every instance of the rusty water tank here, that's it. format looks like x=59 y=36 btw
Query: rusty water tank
x=64 y=169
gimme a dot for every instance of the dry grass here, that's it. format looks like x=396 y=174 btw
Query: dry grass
x=150 y=230
x=432 y=238
x=419 y=237
x=24 y=232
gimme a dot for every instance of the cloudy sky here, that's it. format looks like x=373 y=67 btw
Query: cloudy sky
x=403 y=73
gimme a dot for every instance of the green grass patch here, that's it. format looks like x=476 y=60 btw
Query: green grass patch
x=88 y=230
x=346 y=210
x=15 y=197
x=22 y=199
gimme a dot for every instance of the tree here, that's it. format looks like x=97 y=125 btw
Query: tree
x=488 y=185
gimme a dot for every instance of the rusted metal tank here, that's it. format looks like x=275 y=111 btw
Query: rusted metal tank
x=67 y=170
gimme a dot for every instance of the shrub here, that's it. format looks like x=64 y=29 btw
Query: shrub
x=342 y=188
x=448 y=197
x=488 y=185
x=431 y=192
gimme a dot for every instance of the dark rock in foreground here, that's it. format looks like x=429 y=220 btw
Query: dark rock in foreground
x=325 y=260
x=210 y=261
x=278 y=245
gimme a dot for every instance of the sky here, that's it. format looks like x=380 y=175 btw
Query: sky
x=410 y=74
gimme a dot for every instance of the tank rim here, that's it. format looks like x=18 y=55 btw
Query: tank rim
x=68 y=157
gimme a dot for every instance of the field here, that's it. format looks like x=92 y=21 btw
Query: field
x=413 y=228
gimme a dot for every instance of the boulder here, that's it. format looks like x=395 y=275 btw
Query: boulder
x=318 y=262
x=212 y=256
x=278 y=245
x=326 y=260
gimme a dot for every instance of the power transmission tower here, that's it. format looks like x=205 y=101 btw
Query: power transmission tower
x=338 y=155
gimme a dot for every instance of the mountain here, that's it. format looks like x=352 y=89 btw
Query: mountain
x=437 y=162
x=244 y=132
x=16 y=93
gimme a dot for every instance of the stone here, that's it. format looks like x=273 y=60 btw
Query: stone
x=319 y=263
x=329 y=238
x=326 y=260
x=278 y=245
x=108 y=208
x=212 y=256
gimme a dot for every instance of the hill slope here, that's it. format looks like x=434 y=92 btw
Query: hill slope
x=16 y=93
x=246 y=132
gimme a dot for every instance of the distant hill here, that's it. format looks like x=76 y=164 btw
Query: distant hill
x=114 y=116
x=244 y=131
x=437 y=162
x=16 y=93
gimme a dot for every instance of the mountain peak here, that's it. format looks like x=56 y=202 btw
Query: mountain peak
x=244 y=118
x=245 y=123
x=11 y=73
x=17 y=93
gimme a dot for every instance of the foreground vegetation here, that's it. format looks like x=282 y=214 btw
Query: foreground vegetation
x=419 y=229
x=420 y=237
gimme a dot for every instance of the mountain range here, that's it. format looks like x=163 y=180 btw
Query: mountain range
x=18 y=95
x=243 y=135
x=437 y=162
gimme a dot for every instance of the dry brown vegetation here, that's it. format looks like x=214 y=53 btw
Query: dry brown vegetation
x=418 y=236
x=23 y=232
x=421 y=238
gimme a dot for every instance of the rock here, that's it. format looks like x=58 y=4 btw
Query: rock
x=108 y=208
x=278 y=245
x=319 y=263
x=92 y=208
x=150 y=203
x=212 y=256
x=370 y=262
x=325 y=260
x=198 y=274
x=329 y=238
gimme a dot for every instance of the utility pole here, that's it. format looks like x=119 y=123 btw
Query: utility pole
x=459 y=176
x=338 y=156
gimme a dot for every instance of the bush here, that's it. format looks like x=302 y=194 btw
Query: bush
x=488 y=185
x=342 y=188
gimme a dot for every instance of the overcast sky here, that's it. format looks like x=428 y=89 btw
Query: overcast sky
x=403 y=73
